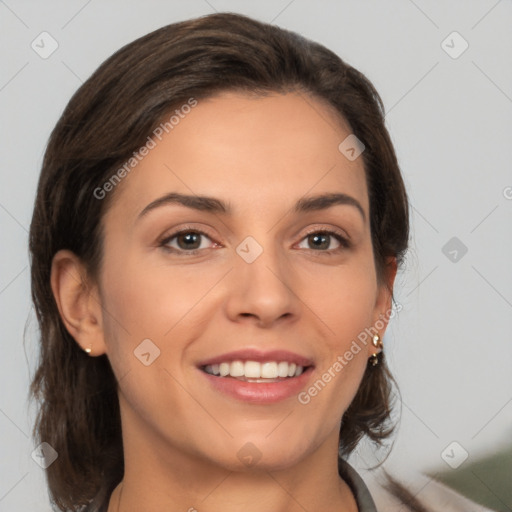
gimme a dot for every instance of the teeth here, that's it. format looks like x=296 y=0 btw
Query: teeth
x=269 y=370
x=224 y=369
x=282 y=369
x=236 y=369
x=255 y=370
x=252 y=369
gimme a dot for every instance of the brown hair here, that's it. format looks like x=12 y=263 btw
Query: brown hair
x=110 y=117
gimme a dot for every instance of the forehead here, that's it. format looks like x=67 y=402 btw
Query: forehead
x=249 y=151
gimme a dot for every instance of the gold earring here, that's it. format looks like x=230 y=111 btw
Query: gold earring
x=88 y=349
x=377 y=343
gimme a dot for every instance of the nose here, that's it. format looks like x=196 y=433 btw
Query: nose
x=262 y=292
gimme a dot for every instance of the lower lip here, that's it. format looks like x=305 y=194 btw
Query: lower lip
x=262 y=392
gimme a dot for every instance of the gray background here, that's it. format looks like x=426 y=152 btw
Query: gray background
x=450 y=120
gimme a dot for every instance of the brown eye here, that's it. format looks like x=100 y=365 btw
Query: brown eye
x=319 y=241
x=325 y=241
x=189 y=240
x=186 y=241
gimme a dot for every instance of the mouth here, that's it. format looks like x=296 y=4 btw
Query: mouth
x=258 y=378
x=254 y=371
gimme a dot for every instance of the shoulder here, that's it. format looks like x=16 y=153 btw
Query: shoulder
x=417 y=493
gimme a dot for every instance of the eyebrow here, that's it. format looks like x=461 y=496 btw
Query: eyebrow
x=214 y=205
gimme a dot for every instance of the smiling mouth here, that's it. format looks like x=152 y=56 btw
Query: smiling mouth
x=253 y=371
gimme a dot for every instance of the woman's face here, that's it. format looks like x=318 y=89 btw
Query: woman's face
x=254 y=277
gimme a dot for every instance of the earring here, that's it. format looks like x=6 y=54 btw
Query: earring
x=88 y=349
x=377 y=343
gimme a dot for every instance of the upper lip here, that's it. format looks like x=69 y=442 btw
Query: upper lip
x=258 y=356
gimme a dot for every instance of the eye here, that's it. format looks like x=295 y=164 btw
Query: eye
x=321 y=241
x=186 y=240
x=191 y=241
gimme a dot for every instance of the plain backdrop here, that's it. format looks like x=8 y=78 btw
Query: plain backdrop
x=449 y=112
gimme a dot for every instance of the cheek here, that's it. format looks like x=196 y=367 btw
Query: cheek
x=143 y=313
x=150 y=300
x=345 y=304
x=155 y=302
x=343 y=297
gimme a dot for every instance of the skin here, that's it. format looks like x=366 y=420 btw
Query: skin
x=181 y=436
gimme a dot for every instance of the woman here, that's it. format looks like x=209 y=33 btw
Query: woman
x=219 y=221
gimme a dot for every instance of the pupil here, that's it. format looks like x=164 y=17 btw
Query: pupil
x=188 y=237
x=317 y=238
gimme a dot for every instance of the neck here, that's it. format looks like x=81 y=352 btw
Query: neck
x=159 y=476
x=155 y=488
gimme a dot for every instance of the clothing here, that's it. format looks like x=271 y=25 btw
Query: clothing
x=361 y=493
x=414 y=491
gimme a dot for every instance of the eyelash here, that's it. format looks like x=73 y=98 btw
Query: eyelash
x=344 y=242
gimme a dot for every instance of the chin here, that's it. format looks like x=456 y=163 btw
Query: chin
x=263 y=454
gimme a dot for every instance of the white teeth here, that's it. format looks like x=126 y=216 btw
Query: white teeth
x=282 y=369
x=224 y=369
x=255 y=370
x=252 y=370
x=269 y=370
x=236 y=369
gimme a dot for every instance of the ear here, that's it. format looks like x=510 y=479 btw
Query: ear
x=78 y=303
x=383 y=302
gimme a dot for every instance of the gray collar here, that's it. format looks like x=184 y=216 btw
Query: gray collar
x=362 y=495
